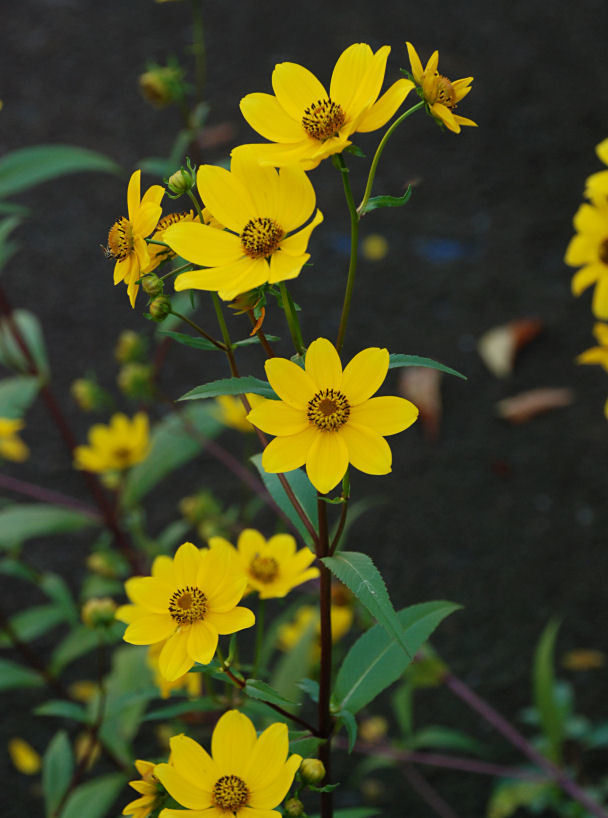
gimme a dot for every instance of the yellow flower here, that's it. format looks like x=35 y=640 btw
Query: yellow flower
x=599 y=354
x=306 y=124
x=118 y=446
x=440 y=94
x=263 y=210
x=272 y=567
x=596 y=187
x=245 y=776
x=327 y=418
x=126 y=239
x=589 y=247
x=192 y=683
x=292 y=632
x=230 y=411
x=24 y=757
x=189 y=601
x=11 y=445
x=148 y=788
x=157 y=252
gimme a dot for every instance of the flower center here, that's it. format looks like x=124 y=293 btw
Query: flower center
x=264 y=569
x=230 y=793
x=122 y=454
x=174 y=218
x=329 y=410
x=120 y=239
x=603 y=251
x=188 y=605
x=442 y=91
x=323 y=119
x=261 y=237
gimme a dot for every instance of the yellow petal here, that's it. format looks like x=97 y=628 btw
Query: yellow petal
x=367 y=450
x=193 y=762
x=202 y=641
x=153 y=195
x=290 y=382
x=152 y=593
x=232 y=742
x=184 y=791
x=133 y=194
x=296 y=88
x=146 y=219
x=369 y=88
x=386 y=415
x=602 y=151
x=148 y=630
x=243 y=275
x=462 y=120
x=202 y=244
x=186 y=563
x=348 y=74
x=266 y=116
x=581 y=249
x=287 y=453
x=323 y=365
x=327 y=460
x=262 y=182
x=599 y=304
x=291 y=154
x=297 y=243
x=173 y=660
x=364 y=375
x=24 y=757
x=271 y=795
x=285 y=267
x=296 y=198
x=431 y=65
x=231 y=621
x=585 y=277
x=590 y=219
x=380 y=113
x=444 y=114
x=225 y=196
x=122 y=268
x=278 y=418
x=268 y=756
x=415 y=63
x=249 y=543
x=283 y=547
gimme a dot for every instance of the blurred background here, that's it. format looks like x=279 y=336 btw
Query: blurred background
x=507 y=519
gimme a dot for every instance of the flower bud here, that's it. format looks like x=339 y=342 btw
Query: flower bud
x=88 y=395
x=152 y=284
x=160 y=308
x=103 y=563
x=294 y=808
x=181 y=181
x=98 y=612
x=312 y=771
x=199 y=507
x=373 y=729
x=161 y=85
x=130 y=347
x=135 y=380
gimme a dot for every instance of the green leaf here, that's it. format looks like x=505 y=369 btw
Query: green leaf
x=387 y=201
x=12 y=209
x=33 y=622
x=94 y=798
x=198 y=342
x=180 y=708
x=11 y=568
x=544 y=692
x=63 y=710
x=350 y=723
x=265 y=693
x=445 y=738
x=510 y=795
x=13 y=676
x=57 y=771
x=26 y=167
x=303 y=490
x=301 y=742
x=8 y=248
x=397 y=360
x=24 y=521
x=230 y=386
x=376 y=660
x=17 y=394
x=295 y=664
x=176 y=440
x=11 y=355
x=79 y=641
x=55 y=587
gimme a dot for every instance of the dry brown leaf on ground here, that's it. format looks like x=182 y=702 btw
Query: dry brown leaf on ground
x=499 y=346
x=523 y=407
x=421 y=385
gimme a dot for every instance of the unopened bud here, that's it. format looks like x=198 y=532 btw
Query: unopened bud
x=312 y=771
x=161 y=85
x=101 y=563
x=198 y=507
x=373 y=729
x=98 y=612
x=294 y=808
x=88 y=395
x=181 y=181
x=152 y=284
x=135 y=380
x=160 y=308
x=130 y=347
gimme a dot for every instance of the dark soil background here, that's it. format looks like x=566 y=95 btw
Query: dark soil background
x=507 y=520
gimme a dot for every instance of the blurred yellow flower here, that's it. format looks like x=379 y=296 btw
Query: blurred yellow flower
x=589 y=248
x=305 y=124
x=230 y=411
x=374 y=247
x=584 y=659
x=327 y=418
x=11 y=445
x=596 y=186
x=148 y=788
x=272 y=567
x=292 y=632
x=246 y=775
x=598 y=354
x=118 y=446
x=192 y=683
x=440 y=94
x=24 y=757
x=126 y=239
x=188 y=601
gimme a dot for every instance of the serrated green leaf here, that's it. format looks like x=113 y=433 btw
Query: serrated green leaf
x=33 y=622
x=397 y=360
x=11 y=355
x=303 y=490
x=264 y=692
x=376 y=660
x=24 y=521
x=57 y=771
x=545 y=696
x=63 y=710
x=13 y=676
x=198 y=342
x=387 y=201
x=94 y=798
x=24 y=168
x=230 y=386
x=17 y=394
x=176 y=440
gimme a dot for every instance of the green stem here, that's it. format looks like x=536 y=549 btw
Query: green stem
x=160 y=243
x=177 y=270
x=200 y=330
x=292 y=319
x=198 y=48
x=378 y=154
x=324 y=711
x=259 y=635
x=196 y=205
x=354 y=247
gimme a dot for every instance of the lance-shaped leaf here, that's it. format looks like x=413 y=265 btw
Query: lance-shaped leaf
x=397 y=360
x=94 y=798
x=33 y=622
x=14 y=676
x=17 y=394
x=387 y=201
x=202 y=343
x=11 y=353
x=24 y=521
x=546 y=700
x=265 y=693
x=230 y=386
x=57 y=770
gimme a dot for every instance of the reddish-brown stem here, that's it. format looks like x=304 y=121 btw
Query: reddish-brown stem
x=428 y=794
x=46 y=495
x=270 y=353
x=338 y=535
x=325 y=718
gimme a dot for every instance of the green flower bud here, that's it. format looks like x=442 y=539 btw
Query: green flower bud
x=181 y=181
x=373 y=729
x=160 y=308
x=294 y=808
x=130 y=347
x=88 y=395
x=312 y=771
x=102 y=563
x=199 y=507
x=152 y=284
x=98 y=612
x=135 y=380
x=162 y=85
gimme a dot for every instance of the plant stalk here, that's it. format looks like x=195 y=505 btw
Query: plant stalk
x=325 y=717
x=354 y=249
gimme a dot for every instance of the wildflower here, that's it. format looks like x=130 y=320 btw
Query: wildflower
x=272 y=567
x=327 y=418
x=440 y=94
x=98 y=612
x=312 y=771
x=599 y=354
x=306 y=124
x=157 y=252
x=245 y=775
x=265 y=209
x=149 y=789
x=308 y=617
x=230 y=411
x=589 y=247
x=118 y=446
x=189 y=600
x=192 y=683
x=11 y=445
x=596 y=187
x=126 y=239
x=24 y=757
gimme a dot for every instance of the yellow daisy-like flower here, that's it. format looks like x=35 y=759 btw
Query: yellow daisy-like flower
x=157 y=253
x=245 y=776
x=189 y=600
x=292 y=632
x=440 y=94
x=327 y=418
x=192 y=683
x=272 y=567
x=596 y=187
x=307 y=124
x=11 y=445
x=118 y=446
x=263 y=210
x=230 y=411
x=126 y=239
x=589 y=247
x=148 y=788
x=598 y=354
